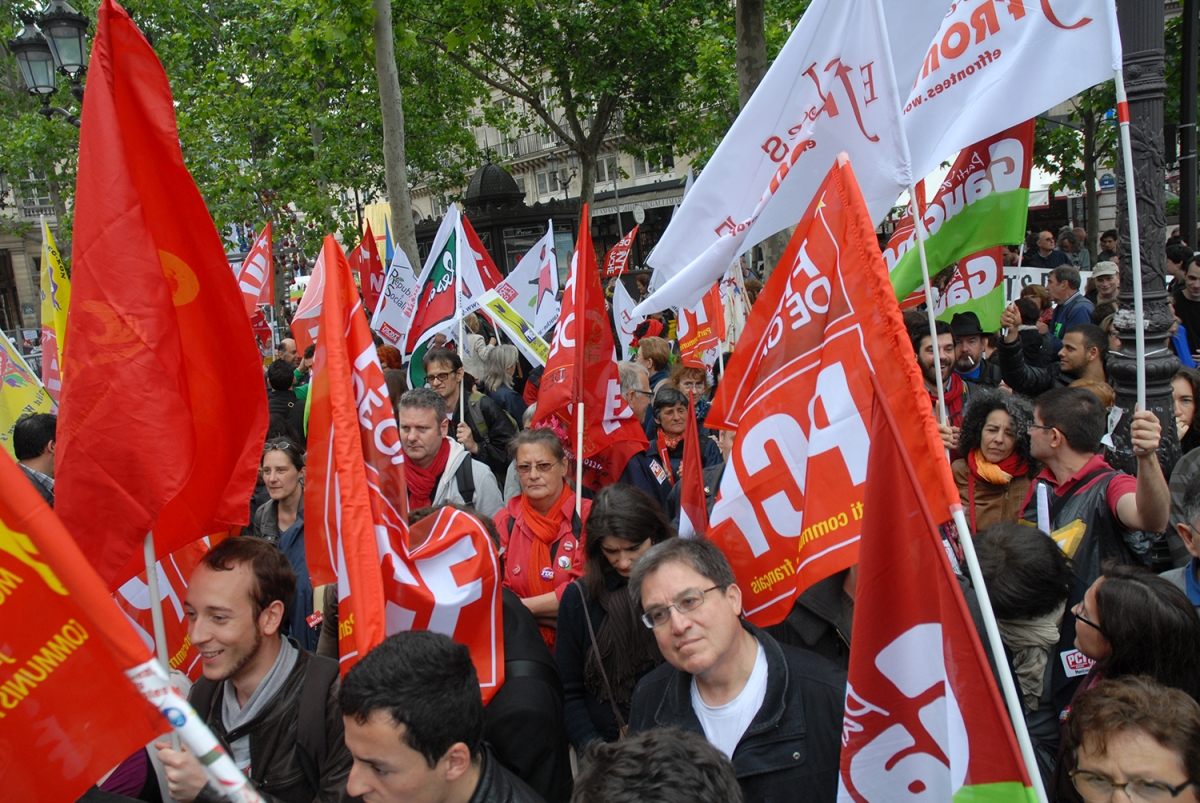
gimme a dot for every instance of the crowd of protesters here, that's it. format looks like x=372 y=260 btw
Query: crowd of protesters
x=631 y=674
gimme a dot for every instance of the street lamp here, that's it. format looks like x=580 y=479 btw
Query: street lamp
x=565 y=173
x=55 y=41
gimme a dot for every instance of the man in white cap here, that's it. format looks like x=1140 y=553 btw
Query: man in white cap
x=1108 y=283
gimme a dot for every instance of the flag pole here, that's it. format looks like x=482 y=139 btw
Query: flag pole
x=579 y=460
x=156 y=614
x=1135 y=251
x=1016 y=710
x=462 y=386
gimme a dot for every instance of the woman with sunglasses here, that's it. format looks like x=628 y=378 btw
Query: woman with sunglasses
x=603 y=648
x=541 y=537
x=281 y=522
x=1131 y=622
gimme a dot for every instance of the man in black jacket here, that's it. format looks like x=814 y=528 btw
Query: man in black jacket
x=414 y=724
x=485 y=429
x=272 y=705
x=1083 y=355
x=969 y=340
x=282 y=402
x=775 y=710
x=33 y=442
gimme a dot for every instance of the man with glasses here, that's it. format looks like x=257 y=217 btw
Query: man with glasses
x=1046 y=255
x=775 y=710
x=1094 y=512
x=486 y=429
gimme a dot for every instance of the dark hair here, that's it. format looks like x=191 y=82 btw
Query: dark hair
x=541 y=436
x=1110 y=233
x=281 y=375
x=310 y=350
x=274 y=578
x=1102 y=311
x=668 y=396
x=397 y=384
x=1180 y=254
x=705 y=557
x=288 y=446
x=425 y=682
x=1026 y=573
x=983 y=404
x=1093 y=338
x=424 y=399
x=1070 y=237
x=448 y=356
x=621 y=511
x=1113 y=706
x=920 y=332
x=1151 y=627
x=32 y=434
x=1075 y=412
x=1068 y=274
x=663 y=765
x=1029 y=309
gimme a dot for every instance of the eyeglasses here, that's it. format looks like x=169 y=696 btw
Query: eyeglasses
x=269 y=445
x=1040 y=426
x=686 y=602
x=441 y=378
x=644 y=392
x=1083 y=618
x=1098 y=789
x=524 y=469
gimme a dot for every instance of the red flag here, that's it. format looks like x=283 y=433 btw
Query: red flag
x=618 y=258
x=163 y=412
x=257 y=276
x=306 y=321
x=449 y=583
x=355 y=503
x=693 y=502
x=799 y=393
x=581 y=367
x=174 y=574
x=489 y=276
x=701 y=331
x=68 y=712
x=923 y=714
x=365 y=261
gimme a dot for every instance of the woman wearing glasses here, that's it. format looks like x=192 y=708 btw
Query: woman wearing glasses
x=281 y=522
x=1132 y=623
x=1137 y=736
x=603 y=647
x=541 y=537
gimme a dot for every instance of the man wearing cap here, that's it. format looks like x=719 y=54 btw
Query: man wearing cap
x=1108 y=284
x=969 y=340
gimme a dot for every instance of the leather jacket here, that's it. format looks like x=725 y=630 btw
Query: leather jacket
x=790 y=751
x=276 y=769
x=498 y=785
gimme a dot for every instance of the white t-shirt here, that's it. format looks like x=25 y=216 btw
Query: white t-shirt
x=724 y=724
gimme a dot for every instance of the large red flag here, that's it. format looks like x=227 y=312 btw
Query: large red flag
x=489 y=275
x=365 y=261
x=256 y=279
x=68 y=713
x=618 y=258
x=163 y=411
x=581 y=367
x=693 y=503
x=355 y=477
x=924 y=719
x=799 y=394
x=701 y=331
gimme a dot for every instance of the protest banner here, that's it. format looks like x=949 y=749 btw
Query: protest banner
x=618 y=258
x=520 y=331
x=365 y=261
x=397 y=301
x=56 y=298
x=21 y=392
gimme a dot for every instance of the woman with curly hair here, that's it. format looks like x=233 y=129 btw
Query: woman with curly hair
x=994 y=476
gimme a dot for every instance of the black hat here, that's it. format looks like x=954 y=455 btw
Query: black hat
x=966 y=324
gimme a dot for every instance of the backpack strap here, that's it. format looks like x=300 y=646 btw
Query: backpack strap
x=475 y=410
x=310 y=722
x=465 y=477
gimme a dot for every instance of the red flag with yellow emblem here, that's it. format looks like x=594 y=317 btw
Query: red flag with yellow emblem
x=163 y=412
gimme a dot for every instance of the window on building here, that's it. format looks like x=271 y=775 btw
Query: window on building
x=35 y=195
x=606 y=169
x=644 y=167
x=547 y=182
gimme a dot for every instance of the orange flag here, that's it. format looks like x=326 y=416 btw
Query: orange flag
x=693 y=502
x=68 y=712
x=163 y=411
x=355 y=475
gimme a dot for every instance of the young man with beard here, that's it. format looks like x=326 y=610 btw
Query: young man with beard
x=957 y=392
x=272 y=705
x=1083 y=355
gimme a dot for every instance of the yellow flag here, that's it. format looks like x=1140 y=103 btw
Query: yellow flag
x=20 y=392
x=56 y=295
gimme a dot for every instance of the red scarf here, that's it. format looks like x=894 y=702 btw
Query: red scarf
x=665 y=444
x=422 y=482
x=954 y=399
x=1012 y=466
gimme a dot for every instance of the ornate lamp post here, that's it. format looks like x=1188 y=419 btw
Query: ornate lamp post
x=54 y=43
x=565 y=172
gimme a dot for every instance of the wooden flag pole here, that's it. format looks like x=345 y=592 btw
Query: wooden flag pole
x=579 y=460
x=156 y=615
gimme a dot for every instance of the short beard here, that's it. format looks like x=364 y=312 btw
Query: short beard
x=248 y=657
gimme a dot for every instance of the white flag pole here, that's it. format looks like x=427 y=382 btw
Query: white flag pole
x=462 y=386
x=1016 y=711
x=156 y=614
x=1135 y=251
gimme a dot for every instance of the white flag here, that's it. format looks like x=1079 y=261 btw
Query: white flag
x=531 y=289
x=397 y=301
x=626 y=321
x=832 y=89
x=991 y=64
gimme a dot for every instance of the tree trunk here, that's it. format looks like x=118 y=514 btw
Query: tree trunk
x=751 y=48
x=587 y=179
x=395 y=169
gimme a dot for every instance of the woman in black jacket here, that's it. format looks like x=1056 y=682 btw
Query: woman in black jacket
x=603 y=649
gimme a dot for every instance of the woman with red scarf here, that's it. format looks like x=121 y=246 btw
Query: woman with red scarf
x=541 y=537
x=670 y=414
x=996 y=470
